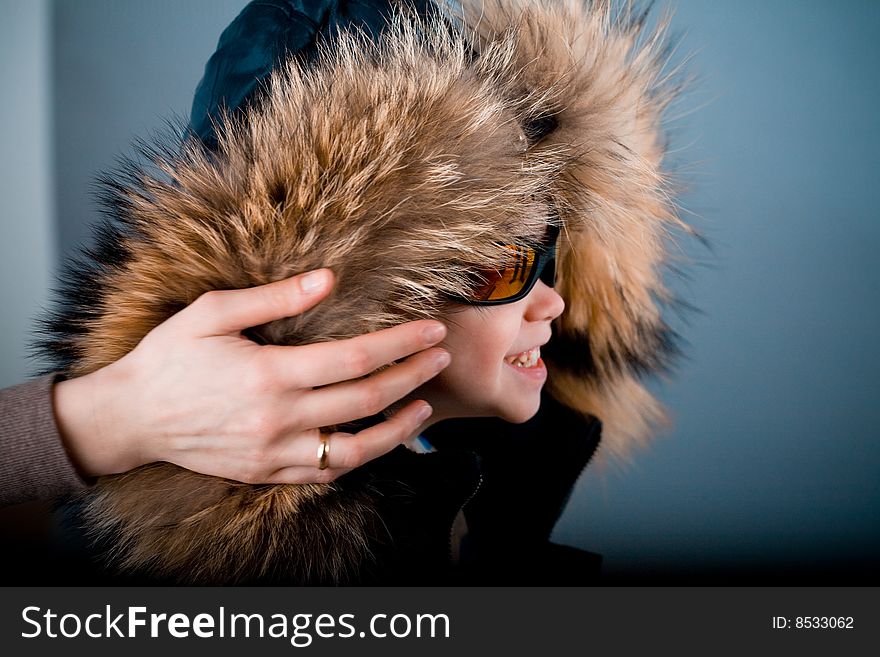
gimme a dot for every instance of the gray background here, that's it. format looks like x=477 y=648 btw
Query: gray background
x=772 y=464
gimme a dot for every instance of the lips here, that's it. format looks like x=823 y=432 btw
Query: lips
x=526 y=359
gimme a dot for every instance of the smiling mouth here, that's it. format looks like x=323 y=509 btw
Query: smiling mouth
x=525 y=359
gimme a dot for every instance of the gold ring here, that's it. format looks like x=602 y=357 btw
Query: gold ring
x=323 y=451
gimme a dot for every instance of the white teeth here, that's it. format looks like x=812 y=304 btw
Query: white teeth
x=525 y=359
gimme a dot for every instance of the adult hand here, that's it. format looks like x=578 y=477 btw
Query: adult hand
x=197 y=393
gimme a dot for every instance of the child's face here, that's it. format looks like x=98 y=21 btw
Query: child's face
x=481 y=381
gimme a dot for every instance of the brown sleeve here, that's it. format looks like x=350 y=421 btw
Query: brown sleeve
x=33 y=461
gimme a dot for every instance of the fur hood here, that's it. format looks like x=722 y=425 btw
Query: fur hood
x=401 y=163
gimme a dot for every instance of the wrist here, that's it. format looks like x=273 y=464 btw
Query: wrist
x=88 y=413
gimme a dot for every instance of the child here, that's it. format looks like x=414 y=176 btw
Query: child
x=498 y=165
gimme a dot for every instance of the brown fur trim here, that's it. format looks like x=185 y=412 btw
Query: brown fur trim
x=403 y=150
x=173 y=524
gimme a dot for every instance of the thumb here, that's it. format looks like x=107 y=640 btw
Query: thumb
x=222 y=312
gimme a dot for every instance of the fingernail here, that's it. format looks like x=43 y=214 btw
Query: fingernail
x=434 y=333
x=424 y=413
x=313 y=281
x=442 y=359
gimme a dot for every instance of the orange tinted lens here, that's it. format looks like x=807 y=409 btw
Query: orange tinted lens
x=508 y=282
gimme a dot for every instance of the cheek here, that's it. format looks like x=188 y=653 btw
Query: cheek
x=471 y=380
x=491 y=339
x=476 y=380
x=472 y=369
x=478 y=365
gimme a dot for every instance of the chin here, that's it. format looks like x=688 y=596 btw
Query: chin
x=520 y=415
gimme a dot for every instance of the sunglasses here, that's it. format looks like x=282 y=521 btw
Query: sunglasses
x=516 y=280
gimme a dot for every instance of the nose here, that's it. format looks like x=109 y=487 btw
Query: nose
x=544 y=303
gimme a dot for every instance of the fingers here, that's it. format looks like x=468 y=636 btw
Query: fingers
x=347 y=451
x=222 y=312
x=353 y=400
x=353 y=451
x=298 y=474
x=323 y=363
